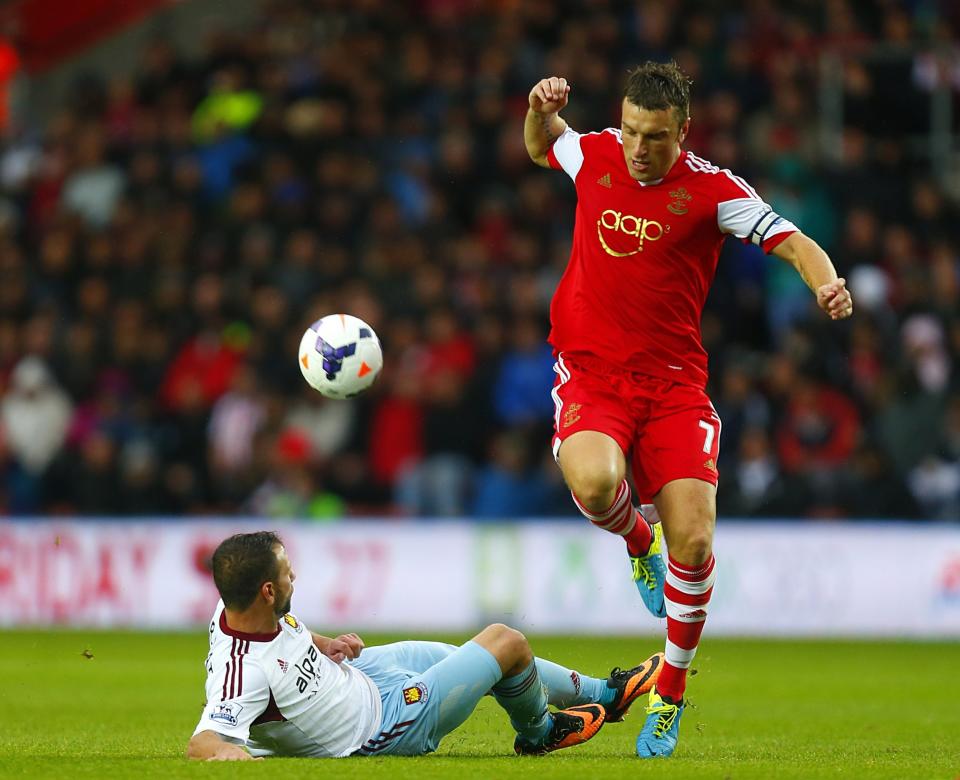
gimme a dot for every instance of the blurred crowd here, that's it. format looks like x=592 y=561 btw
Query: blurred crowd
x=168 y=235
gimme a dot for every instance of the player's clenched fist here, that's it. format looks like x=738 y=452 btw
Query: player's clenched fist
x=344 y=647
x=835 y=299
x=549 y=95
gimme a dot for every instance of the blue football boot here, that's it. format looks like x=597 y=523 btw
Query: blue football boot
x=650 y=573
x=658 y=737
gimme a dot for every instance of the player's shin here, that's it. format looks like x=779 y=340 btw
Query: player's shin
x=567 y=688
x=524 y=699
x=687 y=595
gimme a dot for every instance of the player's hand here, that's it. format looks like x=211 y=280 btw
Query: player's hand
x=835 y=299
x=549 y=95
x=230 y=752
x=344 y=647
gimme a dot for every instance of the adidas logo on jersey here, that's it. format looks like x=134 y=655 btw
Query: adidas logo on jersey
x=604 y=181
x=283 y=665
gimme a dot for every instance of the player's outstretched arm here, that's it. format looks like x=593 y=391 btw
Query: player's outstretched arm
x=816 y=269
x=543 y=124
x=210 y=746
x=343 y=647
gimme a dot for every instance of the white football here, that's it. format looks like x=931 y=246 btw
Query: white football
x=340 y=356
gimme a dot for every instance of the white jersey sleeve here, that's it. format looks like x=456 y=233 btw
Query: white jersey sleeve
x=237 y=693
x=566 y=153
x=741 y=212
x=752 y=219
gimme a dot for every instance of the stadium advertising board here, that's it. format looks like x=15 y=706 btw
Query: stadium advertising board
x=774 y=579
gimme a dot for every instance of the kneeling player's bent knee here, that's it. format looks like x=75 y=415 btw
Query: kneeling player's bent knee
x=507 y=645
x=498 y=630
x=515 y=642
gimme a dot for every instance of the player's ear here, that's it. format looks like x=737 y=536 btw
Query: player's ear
x=269 y=592
x=684 y=129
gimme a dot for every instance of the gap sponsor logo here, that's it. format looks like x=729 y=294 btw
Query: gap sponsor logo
x=226 y=712
x=613 y=226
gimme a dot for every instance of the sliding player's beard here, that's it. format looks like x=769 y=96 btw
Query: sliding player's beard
x=284 y=608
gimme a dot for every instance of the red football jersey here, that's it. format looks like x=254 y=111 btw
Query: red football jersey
x=644 y=255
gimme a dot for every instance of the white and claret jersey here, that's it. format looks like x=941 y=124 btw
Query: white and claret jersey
x=279 y=695
x=644 y=255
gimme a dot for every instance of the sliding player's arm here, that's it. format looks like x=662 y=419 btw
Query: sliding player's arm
x=817 y=271
x=210 y=746
x=341 y=648
x=237 y=694
x=543 y=124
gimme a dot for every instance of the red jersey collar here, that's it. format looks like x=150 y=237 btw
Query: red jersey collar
x=243 y=634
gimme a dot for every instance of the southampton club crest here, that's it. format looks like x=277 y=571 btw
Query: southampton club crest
x=679 y=201
x=571 y=414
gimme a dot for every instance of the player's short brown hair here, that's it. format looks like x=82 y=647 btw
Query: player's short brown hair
x=242 y=563
x=659 y=85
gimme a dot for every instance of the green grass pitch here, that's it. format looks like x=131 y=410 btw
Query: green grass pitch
x=761 y=709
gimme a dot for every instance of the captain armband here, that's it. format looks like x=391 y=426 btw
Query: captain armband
x=763 y=227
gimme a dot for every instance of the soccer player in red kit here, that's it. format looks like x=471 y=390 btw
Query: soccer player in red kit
x=631 y=370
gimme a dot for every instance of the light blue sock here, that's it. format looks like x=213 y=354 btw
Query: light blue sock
x=567 y=688
x=525 y=701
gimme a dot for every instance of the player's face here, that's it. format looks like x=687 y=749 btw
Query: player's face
x=651 y=140
x=284 y=584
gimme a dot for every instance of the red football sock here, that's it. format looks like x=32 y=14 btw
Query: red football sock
x=687 y=594
x=640 y=538
x=619 y=518
x=622 y=519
